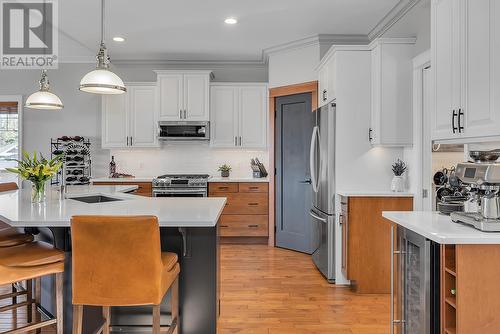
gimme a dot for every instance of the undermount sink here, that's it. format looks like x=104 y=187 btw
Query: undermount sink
x=95 y=199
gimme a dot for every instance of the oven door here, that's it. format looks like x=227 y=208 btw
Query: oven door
x=180 y=192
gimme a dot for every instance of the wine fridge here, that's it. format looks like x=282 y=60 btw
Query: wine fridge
x=415 y=278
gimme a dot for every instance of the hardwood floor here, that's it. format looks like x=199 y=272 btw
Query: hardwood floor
x=274 y=291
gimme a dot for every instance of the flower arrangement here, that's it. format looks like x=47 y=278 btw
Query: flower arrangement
x=224 y=170
x=37 y=170
x=399 y=167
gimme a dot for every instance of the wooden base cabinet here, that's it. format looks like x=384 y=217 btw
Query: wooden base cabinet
x=246 y=214
x=366 y=235
x=470 y=300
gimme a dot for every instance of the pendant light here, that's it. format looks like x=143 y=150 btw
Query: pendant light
x=44 y=99
x=102 y=80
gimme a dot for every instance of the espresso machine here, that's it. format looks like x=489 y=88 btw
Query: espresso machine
x=483 y=179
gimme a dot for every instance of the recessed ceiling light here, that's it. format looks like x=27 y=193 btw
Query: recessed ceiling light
x=118 y=39
x=230 y=20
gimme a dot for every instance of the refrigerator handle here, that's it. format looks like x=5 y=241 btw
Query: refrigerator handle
x=317 y=217
x=314 y=177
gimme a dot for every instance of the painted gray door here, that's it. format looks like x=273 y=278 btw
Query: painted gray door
x=294 y=125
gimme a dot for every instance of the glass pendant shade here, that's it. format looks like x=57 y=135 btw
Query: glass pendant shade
x=44 y=99
x=102 y=81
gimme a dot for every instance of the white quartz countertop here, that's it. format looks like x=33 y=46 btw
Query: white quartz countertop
x=124 y=179
x=440 y=228
x=17 y=210
x=150 y=179
x=237 y=179
x=387 y=193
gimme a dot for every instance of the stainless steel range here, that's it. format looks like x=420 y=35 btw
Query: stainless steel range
x=180 y=185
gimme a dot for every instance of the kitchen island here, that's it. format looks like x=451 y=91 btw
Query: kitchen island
x=444 y=275
x=188 y=227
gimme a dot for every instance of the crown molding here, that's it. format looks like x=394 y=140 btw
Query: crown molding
x=336 y=48
x=190 y=63
x=395 y=14
x=316 y=40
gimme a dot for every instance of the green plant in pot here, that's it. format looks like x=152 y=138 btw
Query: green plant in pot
x=224 y=170
x=38 y=170
x=398 y=181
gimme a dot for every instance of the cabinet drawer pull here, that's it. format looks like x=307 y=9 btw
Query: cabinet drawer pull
x=224 y=226
x=253 y=188
x=223 y=188
x=253 y=204
x=253 y=226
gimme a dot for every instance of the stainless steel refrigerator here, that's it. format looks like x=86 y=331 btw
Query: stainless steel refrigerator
x=322 y=164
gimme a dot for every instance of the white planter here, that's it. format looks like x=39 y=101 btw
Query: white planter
x=398 y=184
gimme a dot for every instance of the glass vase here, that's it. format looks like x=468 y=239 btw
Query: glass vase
x=37 y=192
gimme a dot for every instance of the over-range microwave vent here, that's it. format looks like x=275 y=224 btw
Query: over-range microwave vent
x=184 y=131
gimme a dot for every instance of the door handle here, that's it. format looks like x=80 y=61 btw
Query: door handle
x=185 y=113
x=370 y=137
x=235 y=141
x=324 y=94
x=459 y=117
x=453 y=127
x=308 y=181
x=312 y=151
x=131 y=140
x=127 y=140
x=317 y=217
x=180 y=113
x=240 y=140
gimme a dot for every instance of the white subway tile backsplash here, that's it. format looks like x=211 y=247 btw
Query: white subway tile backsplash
x=186 y=158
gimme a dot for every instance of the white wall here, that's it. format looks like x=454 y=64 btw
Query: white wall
x=186 y=158
x=294 y=66
x=82 y=111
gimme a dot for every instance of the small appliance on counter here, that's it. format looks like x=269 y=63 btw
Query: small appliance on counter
x=451 y=194
x=77 y=163
x=483 y=178
x=258 y=169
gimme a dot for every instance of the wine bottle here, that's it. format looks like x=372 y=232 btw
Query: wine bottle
x=112 y=167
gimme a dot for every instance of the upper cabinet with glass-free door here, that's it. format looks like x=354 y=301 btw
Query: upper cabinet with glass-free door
x=184 y=95
x=238 y=114
x=466 y=69
x=130 y=119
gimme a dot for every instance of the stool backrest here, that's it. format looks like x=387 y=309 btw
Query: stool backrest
x=8 y=186
x=116 y=260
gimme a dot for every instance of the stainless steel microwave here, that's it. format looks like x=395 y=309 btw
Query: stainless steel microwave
x=184 y=130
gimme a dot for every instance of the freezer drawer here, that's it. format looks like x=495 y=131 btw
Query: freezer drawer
x=324 y=255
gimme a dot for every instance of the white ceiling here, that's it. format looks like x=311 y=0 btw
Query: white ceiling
x=193 y=30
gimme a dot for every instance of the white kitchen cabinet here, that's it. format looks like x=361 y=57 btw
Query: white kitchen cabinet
x=465 y=62
x=326 y=81
x=238 y=114
x=391 y=97
x=130 y=119
x=184 y=95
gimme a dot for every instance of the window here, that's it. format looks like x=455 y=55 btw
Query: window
x=9 y=139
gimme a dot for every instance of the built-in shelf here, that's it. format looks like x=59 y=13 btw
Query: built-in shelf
x=452 y=301
x=451 y=272
x=450 y=330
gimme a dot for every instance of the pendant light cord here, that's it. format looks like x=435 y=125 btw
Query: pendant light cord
x=102 y=21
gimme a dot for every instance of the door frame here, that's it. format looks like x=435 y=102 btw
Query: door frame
x=19 y=100
x=422 y=158
x=306 y=87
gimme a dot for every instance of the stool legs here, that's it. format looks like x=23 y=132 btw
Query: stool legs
x=29 y=297
x=156 y=319
x=106 y=314
x=77 y=319
x=174 y=302
x=38 y=300
x=59 y=302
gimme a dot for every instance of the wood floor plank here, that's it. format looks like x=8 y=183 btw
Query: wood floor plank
x=268 y=290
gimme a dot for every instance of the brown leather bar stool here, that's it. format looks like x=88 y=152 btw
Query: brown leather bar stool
x=10 y=237
x=32 y=261
x=117 y=261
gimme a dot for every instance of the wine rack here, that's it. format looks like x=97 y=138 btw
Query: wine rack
x=77 y=162
x=448 y=290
